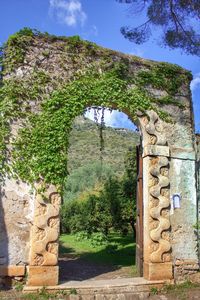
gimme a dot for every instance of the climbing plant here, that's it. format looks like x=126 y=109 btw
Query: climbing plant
x=39 y=149
x=101 y=125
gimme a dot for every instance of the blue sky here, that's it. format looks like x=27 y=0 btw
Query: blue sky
x=98 y=21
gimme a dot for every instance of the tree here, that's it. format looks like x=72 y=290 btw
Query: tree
x=112 y=196
x=93 y=214
x=129 y=187
x=178 y=20
x=130 y=174
x=85 y=178
x=97 y=201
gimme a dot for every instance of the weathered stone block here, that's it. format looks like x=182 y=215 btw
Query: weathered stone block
x=158 y=271
x=155 y=150
x=42 y=275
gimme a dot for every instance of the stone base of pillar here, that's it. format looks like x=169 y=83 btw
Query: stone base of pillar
x=158 y=271
x=42 y=275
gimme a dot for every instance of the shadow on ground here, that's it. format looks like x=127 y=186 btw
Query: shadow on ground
x=89 y=265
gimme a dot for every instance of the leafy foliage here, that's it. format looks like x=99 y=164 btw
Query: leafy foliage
x=85 y=178
x=40 y=150
x=161 y=77
x=16 y=46
x=111 y=207
x=176 y=18
x=81 y=235
x=91 y=215
x=98 y=239
x=46 y=139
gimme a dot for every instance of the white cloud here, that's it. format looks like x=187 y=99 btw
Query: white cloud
x=112 y=118
x=69 y=12
x=195 y=82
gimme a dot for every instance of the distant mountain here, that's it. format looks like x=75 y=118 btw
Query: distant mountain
x=85 y=145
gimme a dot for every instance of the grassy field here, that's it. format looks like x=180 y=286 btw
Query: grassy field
x=119 y=251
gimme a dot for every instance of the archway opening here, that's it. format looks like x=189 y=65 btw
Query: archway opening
x=99 y=235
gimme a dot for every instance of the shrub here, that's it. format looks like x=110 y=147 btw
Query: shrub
x=81 y=235
x=98 y=239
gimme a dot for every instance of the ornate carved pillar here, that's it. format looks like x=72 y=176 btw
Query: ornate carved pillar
x=156 y=185
x=43 y=269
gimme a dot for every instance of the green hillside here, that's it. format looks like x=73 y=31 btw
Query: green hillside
x=85 y=145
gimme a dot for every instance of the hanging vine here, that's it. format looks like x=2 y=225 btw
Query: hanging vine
x=99 y=114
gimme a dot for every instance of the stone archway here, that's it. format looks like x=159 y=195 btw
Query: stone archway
x=131 y=84
x=157 y=264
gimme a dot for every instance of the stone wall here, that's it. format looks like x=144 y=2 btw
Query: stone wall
x=18 y=198
x=198 y=187
x=17 y=202
x=183 y=182
x=17 y=211
x=183 y=219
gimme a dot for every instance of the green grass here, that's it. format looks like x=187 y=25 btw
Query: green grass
x=123 y=254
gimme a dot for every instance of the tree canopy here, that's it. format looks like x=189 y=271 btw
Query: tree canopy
x=178 y=20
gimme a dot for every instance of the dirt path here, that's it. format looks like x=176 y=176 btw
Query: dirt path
x=76 y=268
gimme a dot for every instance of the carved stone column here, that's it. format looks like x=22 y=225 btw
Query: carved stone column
x=156 y=185
x=43 y=269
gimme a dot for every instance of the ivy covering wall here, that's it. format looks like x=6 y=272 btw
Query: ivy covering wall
x=42 y=105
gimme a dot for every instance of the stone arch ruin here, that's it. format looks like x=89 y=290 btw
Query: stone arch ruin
x=29 y=218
